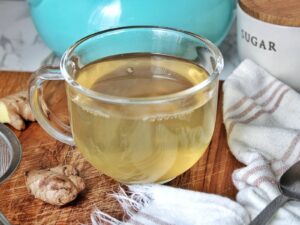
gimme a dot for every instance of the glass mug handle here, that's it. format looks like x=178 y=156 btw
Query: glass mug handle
x=60 y=131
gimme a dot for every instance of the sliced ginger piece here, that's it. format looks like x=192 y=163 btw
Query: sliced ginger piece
x=57 y=186
x=14 y=109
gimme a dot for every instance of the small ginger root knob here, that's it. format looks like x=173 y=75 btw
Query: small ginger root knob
x=14 y=109
x=57 y=186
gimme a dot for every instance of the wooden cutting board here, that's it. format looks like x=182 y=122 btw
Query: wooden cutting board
x=212 y=173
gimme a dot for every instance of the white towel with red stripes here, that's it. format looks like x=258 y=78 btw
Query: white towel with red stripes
x=262 y=119
x=163 y=205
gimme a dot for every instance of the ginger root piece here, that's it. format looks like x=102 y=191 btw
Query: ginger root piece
x=57 y=186
x=14 y=109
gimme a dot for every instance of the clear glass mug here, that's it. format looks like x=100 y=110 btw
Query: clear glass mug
x=135 y=139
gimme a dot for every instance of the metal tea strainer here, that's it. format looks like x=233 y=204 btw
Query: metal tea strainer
x=10 y=152
x=10 y=156
x=3 y=220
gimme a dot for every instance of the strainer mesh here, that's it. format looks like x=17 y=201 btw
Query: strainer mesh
x=5 y=157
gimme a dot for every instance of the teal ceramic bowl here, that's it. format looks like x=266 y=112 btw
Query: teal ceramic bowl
x=62 y=22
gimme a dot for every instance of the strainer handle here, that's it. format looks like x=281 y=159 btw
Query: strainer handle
x=263 y=217
x=55 y=128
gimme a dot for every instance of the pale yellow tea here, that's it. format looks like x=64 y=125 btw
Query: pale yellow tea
x=139 y=143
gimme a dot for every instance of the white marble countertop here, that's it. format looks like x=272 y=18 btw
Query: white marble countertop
x=21 y=48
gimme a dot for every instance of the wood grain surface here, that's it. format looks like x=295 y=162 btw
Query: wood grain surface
x=212 y=173
x=280 y=12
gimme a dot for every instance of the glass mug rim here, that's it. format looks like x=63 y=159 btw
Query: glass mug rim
x=143 y=100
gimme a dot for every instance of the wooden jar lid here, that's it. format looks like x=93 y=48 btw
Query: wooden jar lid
x=281 y=12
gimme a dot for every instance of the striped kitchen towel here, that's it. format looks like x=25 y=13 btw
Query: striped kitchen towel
x=156 y=204
x=262 y=119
